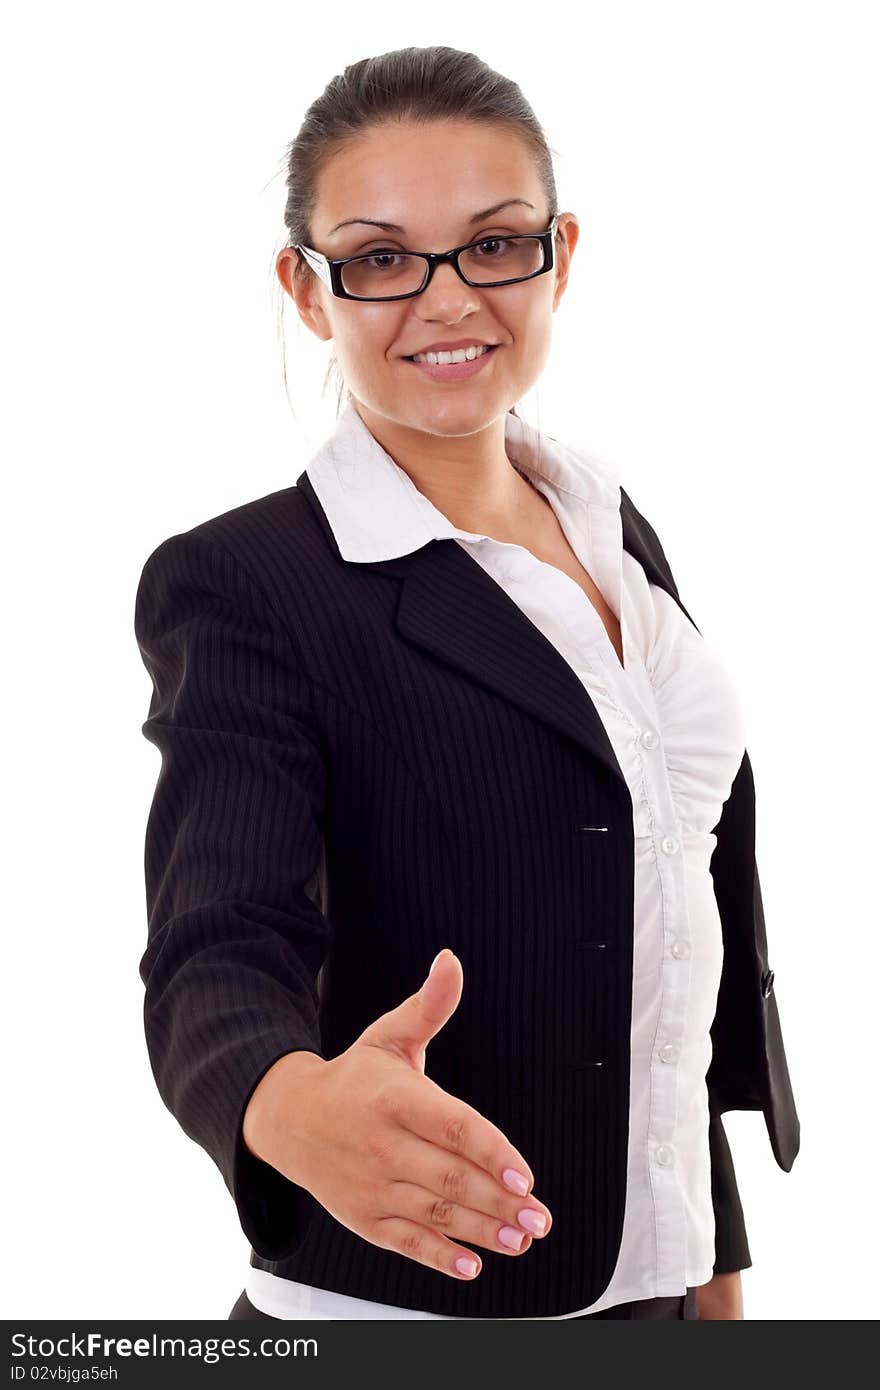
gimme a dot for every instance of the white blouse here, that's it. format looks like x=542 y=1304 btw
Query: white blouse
x=675 y=722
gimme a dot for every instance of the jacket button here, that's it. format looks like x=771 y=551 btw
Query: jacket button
x=767 y=983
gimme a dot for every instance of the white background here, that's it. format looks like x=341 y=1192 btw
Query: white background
x=718 y=341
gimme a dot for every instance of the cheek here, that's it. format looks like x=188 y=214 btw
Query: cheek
x=365 y=339
x=362 y=324
x=528 y=313
x=531 y=328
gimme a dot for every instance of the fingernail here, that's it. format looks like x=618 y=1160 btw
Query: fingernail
x=435 y=960
x=466 y=1266
x=511 y=1237
x=534 y=1221
x=517 y=1182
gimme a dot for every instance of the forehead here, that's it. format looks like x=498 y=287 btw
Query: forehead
x=425 y=178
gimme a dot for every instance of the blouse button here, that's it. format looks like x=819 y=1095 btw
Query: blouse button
x=669 y=844
x=665 y=1155
x=668 y=1052
x=680 y=949
x=649 y=738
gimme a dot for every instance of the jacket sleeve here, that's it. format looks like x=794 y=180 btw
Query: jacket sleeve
x=233 y=841
x=731 y=1242
x=731 y=1076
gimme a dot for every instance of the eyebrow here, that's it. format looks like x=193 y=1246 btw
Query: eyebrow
x=393 y=227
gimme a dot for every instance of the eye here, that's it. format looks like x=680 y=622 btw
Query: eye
x=479 y=248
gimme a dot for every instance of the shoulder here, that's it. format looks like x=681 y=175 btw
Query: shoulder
x=265 y=558
x=283 y=518
x=638 y=530
x=263 y=538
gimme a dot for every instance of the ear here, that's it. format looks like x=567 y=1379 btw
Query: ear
x=305 y=289
x=567 y=233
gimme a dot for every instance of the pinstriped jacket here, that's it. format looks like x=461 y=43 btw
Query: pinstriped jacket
x=337 y=800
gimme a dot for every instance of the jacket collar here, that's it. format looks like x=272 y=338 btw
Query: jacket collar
x=448 y=605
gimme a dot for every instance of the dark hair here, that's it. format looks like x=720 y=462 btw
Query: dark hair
x=408 y=84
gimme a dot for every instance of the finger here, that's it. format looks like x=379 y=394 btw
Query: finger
x=456 y=1222
x=407 y=1029
x=452 y=1179
x=425 y=1247
x=427 y=1110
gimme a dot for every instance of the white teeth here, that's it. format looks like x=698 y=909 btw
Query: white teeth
x=459 y=355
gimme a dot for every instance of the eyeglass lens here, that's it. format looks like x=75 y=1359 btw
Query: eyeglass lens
x=396 y=272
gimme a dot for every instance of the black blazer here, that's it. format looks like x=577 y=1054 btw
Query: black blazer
x=363 y=763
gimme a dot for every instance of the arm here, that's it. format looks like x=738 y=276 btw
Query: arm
x=233 y=840
x=728 y=1078
x=748 y=1069
x=731 y=1242
x=722 y=1296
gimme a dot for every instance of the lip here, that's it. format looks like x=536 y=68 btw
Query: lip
x=454 y=371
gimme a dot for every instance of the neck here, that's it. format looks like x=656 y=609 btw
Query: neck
x=469 y=477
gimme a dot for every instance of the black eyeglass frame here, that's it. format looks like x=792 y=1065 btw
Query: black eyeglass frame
x=330 y=270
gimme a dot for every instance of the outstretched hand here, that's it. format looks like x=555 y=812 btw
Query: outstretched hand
x=389 y=1153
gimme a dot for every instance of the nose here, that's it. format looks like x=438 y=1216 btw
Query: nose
x=447 y=296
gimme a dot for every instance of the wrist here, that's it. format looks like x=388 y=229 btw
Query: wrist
x=278 y=1098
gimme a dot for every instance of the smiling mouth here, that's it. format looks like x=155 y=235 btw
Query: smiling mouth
x=489 y=348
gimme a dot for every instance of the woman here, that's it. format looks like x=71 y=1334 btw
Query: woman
x=441 y=701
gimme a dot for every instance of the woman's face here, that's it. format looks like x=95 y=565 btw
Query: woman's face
x=431 y=180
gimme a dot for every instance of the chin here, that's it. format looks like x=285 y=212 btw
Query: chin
x=464 y=415
x=451 y=414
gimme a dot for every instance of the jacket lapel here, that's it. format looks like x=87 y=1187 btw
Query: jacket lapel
x=453 y=610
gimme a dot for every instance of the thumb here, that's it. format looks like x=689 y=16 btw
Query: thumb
x=408 y=1028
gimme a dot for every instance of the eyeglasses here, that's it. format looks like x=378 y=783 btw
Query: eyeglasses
x=387 y=274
